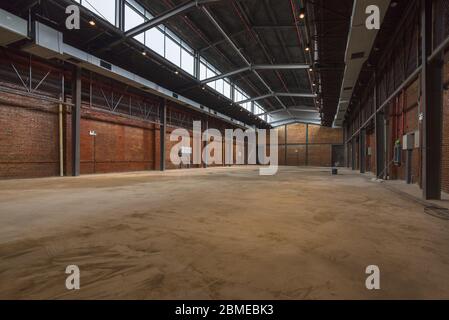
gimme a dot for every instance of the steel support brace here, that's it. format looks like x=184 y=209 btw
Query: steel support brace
x=432 y=101
x=162 y=130
x=76 y=120
x=242 y=56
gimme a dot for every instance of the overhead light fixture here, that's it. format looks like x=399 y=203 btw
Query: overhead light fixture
x=302 y=13
x=144 y=53
x=310 y=69
x=92 y=22
x=203 y=87
x=307 y=47
x=176 y=72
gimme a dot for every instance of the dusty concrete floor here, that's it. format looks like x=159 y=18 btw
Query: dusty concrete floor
x=224 y=233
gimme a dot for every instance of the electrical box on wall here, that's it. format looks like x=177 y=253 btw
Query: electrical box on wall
x=368 y=151
x=408 y=141
x=417 y=139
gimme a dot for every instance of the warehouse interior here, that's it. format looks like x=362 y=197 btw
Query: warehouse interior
x=354 y=119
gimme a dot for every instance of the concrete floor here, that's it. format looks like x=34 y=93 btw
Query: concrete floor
x=223 y=233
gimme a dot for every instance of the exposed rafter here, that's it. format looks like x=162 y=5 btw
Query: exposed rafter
x=242 y=56
x=165 y=16
x=293 y=66
x=283 y=122
x=298 y=109
x=277 y=95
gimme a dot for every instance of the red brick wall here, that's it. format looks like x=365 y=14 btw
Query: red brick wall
x=320 y=155
x=28 y=137
x=121 y=144
x=296 y=133
x=29 y=131
x=319 y=134
x=308 y=144
x=403 y=119
x=296 y=155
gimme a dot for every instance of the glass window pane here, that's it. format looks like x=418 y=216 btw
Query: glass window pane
x=154 y=39
x=212 y=84
x=237 y=96
x=219 y=85
x=227 y=90
x=172 y=51
x=187 y=61
x=134 y=4
x=104 y=9
x=210 y=73
x=203 y=73
x=133 y=19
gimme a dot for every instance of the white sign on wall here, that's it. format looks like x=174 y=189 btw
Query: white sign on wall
x=186 y=150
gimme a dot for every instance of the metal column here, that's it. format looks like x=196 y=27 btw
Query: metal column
x=353 y=154
x=76 y=120
x=431 y=97
x=206 y=160
x=346 y=162
x=120 y=14
x=162 y=130
x=307 y=144
x=285 y=144
x=408 y=166
x=380 y=148
x=362 y=151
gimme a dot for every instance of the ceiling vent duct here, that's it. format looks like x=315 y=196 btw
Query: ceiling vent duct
x=359 y=45
x=47 y=42
x=12 y=28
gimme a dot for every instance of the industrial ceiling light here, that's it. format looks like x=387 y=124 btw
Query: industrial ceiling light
x=302 y=13
x=144 y=53
x=92 y=22
x=176 y=72
x=310 y=69
x=307 y=47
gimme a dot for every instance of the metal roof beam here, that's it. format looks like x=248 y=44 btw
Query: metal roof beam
x=237 y=50
x=277 y=95
x=293 y=66
x=225 y=75
x=283 y=122
x=299 y=109
x=165 y=16
x=299 y=95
